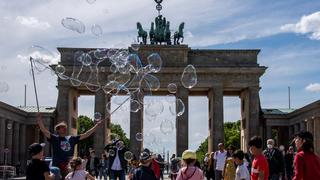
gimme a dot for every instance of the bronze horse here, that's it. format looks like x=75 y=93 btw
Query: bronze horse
x=178 y=34
x=141 y=34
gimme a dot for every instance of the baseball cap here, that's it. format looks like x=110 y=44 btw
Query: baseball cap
x=189 y=154
x=35 y=148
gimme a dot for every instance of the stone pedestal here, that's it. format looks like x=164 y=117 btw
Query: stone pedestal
x=136 y=126
x=182 y=122
x=216 y=133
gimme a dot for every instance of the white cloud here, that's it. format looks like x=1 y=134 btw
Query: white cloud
x=32 y=22
x=313 y=87
x=309 y=24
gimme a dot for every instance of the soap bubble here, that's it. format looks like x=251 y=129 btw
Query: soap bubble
x=9 y=126
x=60 y=69
x=150 y=82
x=172 y=88
x=166 y=126
x=154 y=108
x=91 y=1
x=177 y=108
x=112 y=152
x=41 y=55
x=4 y=87
x=134 y=62
x=73 y=24
x=96 y=30
x=86 y=59
x=189 y=77
x=135 y=47
x=128 y=155
x=101 y=53
x=97 y=116
x=139 y=136
x=155 y=61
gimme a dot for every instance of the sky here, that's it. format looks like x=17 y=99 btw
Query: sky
x=287 y=32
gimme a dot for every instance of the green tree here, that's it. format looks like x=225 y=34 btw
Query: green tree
x=85 y=123
x=231 y=137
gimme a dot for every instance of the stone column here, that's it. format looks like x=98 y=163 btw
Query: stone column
x=9 y=137
x=182 y=122
x=268 y=132
x=99 y=135
x=250 y=115
x=296 y=128
x=216 y=132
x=3 y=129
x=136 y=126
x=23 y=148
x=303 y=126
x=291 y=132
x=16 y=142
x=107 y=122
x=67 y=108
x=310 y=125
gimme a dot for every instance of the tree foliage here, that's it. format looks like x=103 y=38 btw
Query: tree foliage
x=231 y=137
x=85 y=123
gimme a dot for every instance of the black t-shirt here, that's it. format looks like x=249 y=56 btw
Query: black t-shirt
x=63 y=148
x=36 y=169
x=144 y=173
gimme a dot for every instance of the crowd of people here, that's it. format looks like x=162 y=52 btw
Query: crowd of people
x=272 y=163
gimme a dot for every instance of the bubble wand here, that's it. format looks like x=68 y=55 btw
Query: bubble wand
x=34 y=83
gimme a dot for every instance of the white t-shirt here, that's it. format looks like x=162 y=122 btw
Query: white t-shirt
x=242 y=172
x=220 y=157
x=78 y=175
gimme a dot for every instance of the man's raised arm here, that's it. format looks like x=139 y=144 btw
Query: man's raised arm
x=43 y=129
x=90 y=131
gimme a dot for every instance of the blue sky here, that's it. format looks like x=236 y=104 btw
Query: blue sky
x=287 y=32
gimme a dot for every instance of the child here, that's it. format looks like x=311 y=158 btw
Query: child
x=145 y=172
x=259 y=168
x=77 y=171
x=37 y=169
x=190 y=172
x=242 y=172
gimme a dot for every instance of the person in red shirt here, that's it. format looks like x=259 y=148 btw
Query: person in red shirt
x=306 y=162
x=259 y=168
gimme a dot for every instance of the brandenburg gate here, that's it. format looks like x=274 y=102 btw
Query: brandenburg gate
x=220 y=73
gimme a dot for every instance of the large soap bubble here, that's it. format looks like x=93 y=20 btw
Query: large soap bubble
x=155 y=61
x=73 y=24
x=189 y=77
x=134 y=106
x=139 y=136
x=97 y=116
x=154 y=108
x=172 y=88
x=128 y=156
x=41 y=54
x=60 y=69
x=177 y=108
x=96 y=30
x=166 y=126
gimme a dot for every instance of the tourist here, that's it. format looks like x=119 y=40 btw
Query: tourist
x=259 y=169
x=190 y=171
x=306 y=162
x=154 y=164
x=117 y=163
x=104 y=164
x=242 y=172
x=210 y=168
x=229 y=171
x=174 y=166
x=62 y=144
x=162 y=164
x=288 y=159
x=84 y=162
x=77 y=172
x=133 y=165
x=144 y=172
x=93 y=164
x=275 y=160
x=37 y=169
x=219 y=161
